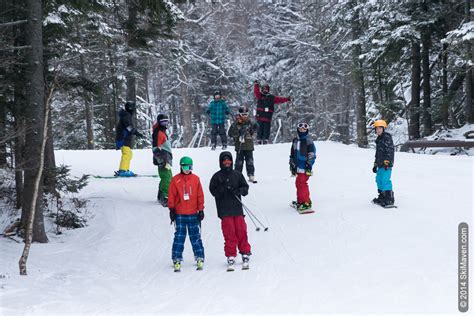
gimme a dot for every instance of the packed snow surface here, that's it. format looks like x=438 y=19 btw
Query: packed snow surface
x=350 y=256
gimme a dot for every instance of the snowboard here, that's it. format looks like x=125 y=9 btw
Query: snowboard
x=387 y=206
x=308 y=211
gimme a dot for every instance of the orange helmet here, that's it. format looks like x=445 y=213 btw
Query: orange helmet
x=380 y=123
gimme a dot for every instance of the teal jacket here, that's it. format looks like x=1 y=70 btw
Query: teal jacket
x=218 y=109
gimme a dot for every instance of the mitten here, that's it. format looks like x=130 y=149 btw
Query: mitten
x=374 y=168
x=386 y=164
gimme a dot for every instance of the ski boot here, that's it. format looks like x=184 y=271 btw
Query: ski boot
x=245 y=261
x=199 y=263
x=213 y=146
x=378 y=200
x=177 y=265
x=252 y=179
x=230 y=264
x=389 y=199
x=295 y=204
x=224 y=146
x=304 y=207
x=124 y=173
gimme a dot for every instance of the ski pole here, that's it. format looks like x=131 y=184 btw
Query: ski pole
x=254 y=216
x=251 y=214
x=253 y=221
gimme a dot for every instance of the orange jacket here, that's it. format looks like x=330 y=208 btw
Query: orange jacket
x=186 y=184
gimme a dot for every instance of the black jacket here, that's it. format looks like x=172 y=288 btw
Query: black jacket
x=228 y=186
x=385 y=149
x=125 y=129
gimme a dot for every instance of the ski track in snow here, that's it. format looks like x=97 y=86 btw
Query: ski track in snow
x=349 y=256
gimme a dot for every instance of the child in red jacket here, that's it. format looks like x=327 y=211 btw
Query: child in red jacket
x=186 y=205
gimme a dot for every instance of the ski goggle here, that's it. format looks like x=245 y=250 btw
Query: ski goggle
x=245 y=114
x=303 y=125
x=187 y=167
x=164 y=122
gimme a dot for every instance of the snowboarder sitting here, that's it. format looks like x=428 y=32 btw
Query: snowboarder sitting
x=302 y=157
x=384 y=156
x=242 y=131
x=218 y=109
x=123 y=138
x=162 y=157
x=265 y=108
x=228 y=186
x=186 y=205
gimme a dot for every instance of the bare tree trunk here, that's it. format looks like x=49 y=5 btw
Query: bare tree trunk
x=425 y=65
x=186 y=109
x=112 y=106
x=468 y=105
x=3 y=127
x=131 y=28
x=414 y=123
x=88 y=108
x=35 y=120
x=444 y=86
x=358 y=82
x=36 y=192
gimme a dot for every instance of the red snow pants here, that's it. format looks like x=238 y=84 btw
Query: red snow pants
x=302 y=188
x=234 y=230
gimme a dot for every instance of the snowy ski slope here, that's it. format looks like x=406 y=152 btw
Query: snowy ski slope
x=348 y=257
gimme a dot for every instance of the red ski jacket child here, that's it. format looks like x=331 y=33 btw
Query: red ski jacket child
x=185 y=194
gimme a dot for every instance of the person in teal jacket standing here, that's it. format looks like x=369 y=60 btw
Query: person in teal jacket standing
x=218 y=110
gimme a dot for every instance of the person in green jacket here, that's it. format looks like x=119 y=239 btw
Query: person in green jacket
x=218 y=110
x=242 y=131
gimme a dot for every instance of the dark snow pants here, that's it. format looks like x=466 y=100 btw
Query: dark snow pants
x=218 y=129
x=246 y=155
x=263 y=132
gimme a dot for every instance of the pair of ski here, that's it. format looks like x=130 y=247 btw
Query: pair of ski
x=177 y=268
x=135 y=176
x=231 y=267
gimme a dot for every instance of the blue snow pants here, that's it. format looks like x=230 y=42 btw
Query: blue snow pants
x=383 y=179
x=190 y=224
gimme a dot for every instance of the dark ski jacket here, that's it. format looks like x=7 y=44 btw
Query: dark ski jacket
x=125 y=129
x=161 y=147
x=385 y=150
x=266 y=103
x=225 y=185
x=303 y=153
x=243 y=130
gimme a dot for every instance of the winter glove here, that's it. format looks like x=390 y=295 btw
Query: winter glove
x=292 y=168
x=386 y=164
x=172 y=215
x=374 y=168
x=290 y=98
x=200 y=215
x=168 y=166
x=237 y=191
x=308 y=172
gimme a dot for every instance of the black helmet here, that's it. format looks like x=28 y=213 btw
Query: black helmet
x=162 y=120
x=130 y=106
x=217 y=92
